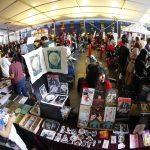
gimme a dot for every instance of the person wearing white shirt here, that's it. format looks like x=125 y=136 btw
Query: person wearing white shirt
x=4 y=64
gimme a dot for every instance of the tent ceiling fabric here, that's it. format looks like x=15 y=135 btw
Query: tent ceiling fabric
x=19 y=14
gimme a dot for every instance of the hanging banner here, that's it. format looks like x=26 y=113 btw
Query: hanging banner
x=72 y=25
x=102 y=27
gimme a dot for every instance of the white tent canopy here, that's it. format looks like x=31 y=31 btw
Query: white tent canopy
x=18 y=14
x=137 y=28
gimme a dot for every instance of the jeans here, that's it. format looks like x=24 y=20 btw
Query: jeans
x=20 y=88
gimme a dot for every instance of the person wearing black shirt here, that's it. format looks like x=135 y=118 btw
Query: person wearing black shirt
x=123 y=54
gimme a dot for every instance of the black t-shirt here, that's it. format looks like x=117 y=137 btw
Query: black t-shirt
x=123 y=55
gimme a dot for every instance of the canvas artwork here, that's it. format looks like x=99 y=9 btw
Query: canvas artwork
x=56 y=59
x=111 y=97
x=48 y=134
x=84 y=116
x=35 y=63
x=59 y=100
x=63 y=88
x=87 y=96
x=96 y=117
x=124 y=105
x=43 y=91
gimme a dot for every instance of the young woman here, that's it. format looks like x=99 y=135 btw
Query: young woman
x=17 y=75
x=96 y=78
x=140 y=70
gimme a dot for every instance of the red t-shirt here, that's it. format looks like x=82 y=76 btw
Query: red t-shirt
x=16 y=69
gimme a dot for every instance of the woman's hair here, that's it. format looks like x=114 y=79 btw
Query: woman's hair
x=142 y=55
x=13 y=55
x=92 y=77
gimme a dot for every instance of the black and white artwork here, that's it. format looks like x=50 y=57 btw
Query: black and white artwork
x=48 y=98
x=64 y=88
x=36 y=64
x=59 y=100
x=48 y=134
x=53 y=83
x=43 y=91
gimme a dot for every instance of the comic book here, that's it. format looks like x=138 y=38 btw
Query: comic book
x=145 y=107
x=87 y=96
x=134 y=142
x=146 y=137
x=124 y=105
x=84 y=113
x=96 y=117
x=111 y=97
x=98 y=99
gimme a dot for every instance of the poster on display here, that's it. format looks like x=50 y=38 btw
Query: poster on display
x=56 y=59
x=35 y=63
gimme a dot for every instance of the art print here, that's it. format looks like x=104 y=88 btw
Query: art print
x=63 y=88
x=96 y=117
x=48 y=98
x=146 y=137
x=59 y=100
x=124 y=105
x=84 y=116
x=43 y=91
x=35 y=64
x=87 y=96
x=110 y=114
x=48 y=134
x=98 y=99
x=54 y=59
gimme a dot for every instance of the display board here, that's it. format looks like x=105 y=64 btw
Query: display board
x=40 y=61
x=97 y=110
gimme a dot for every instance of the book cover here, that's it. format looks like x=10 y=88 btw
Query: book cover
x=87 y=96
x=25 y=109
x=98 y=99
x=146 y=137
x=111 y=97
x=84 y=113
x=134 y=143
x=124 y=105
x=145 y=107
x=110 y=114
x=48 y=134
x=96 y=117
